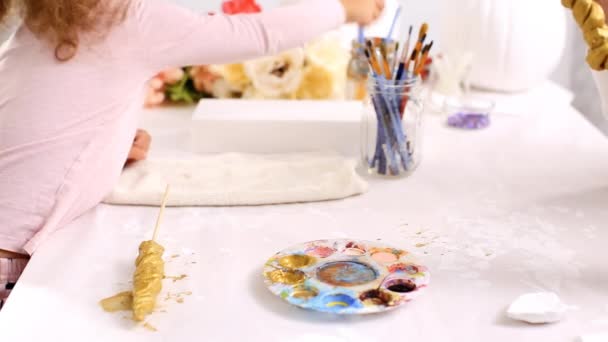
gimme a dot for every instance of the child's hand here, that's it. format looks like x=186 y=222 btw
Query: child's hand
x=141 y=145
x=362 y=12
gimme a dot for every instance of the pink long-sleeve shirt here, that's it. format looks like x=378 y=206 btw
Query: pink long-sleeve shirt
x=66 y=127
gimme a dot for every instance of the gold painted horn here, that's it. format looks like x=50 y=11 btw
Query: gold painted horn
x=591 y=19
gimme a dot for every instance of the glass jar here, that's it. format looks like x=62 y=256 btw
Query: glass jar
x=358 y=68
x=391 y=127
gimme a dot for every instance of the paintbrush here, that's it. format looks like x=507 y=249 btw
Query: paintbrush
x=395 y=60
x=384 y=62
x=424 y=29
x=414 y=54
x=379 y=56
x=371 y=58
x=406 y=47
x=404 y=53
x=422 y=34
x=423 y=59
x=361 y=38
x=389 y=36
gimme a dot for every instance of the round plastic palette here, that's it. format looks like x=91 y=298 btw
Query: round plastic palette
x=345 y=276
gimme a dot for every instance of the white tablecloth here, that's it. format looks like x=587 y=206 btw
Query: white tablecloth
x=519 y=207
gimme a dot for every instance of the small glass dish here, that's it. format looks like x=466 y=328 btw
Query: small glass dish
x=468 y=113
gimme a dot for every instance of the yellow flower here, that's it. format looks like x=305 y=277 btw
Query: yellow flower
x=327 y=62
x=235 y=76
x=317 y=84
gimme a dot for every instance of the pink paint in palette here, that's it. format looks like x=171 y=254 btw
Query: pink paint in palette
x=345 y=276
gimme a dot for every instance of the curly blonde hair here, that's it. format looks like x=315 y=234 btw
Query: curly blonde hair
x=62 y=22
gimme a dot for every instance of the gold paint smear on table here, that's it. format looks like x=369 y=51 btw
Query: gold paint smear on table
x=120 y=302
x=177 y=278
x=148 y=326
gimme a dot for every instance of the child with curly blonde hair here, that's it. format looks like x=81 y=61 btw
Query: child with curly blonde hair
x=72 y=81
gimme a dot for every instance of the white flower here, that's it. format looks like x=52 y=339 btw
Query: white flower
x=277 y=76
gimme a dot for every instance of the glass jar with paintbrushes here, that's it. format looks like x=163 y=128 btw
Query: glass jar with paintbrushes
x=392 y=115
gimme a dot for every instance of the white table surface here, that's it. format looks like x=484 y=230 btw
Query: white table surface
x=519 y=207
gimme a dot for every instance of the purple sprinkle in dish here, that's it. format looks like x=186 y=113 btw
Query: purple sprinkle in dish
x=469 y=121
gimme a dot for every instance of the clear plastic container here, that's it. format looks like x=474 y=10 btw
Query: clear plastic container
x=468 y=112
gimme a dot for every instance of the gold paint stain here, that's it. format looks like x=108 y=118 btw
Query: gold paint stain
x=420 y=245
x=119 y=302
x=178 y=297
x=296 y=261
x=175 y=256
x=286 y=277
x=176 y=278
x=149 y=327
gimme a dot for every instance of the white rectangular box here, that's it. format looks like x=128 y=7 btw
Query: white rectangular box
x=276 y=126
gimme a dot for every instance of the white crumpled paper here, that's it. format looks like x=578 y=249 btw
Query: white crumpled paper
x=239 y=179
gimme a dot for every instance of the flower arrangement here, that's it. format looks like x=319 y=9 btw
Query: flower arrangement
x=314 y=72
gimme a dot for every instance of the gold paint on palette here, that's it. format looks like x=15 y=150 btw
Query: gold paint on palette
x=287 y=277
x=304 y=292
x=120 y=302
x=296 y=261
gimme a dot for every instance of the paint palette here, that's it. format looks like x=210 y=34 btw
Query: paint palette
x=345 y=276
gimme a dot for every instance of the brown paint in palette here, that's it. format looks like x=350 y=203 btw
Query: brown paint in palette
x=376 y=297
x=400 y=285
x=346 y=273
